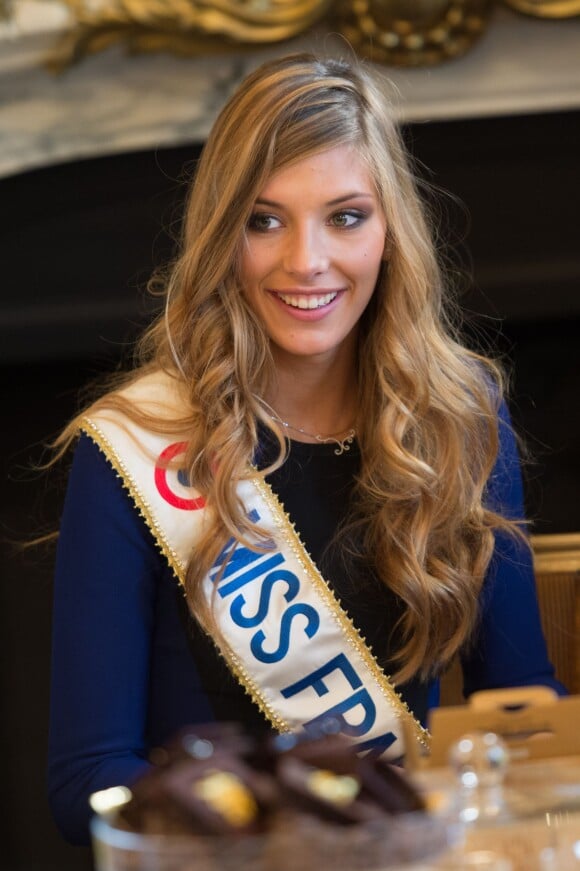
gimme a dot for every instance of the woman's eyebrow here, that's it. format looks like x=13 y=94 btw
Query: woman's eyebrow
x=272 y=203
x=352 y=195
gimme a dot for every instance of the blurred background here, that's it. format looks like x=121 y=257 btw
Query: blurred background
x=101 y=121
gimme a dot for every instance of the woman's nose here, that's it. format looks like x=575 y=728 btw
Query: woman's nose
x=306 y=253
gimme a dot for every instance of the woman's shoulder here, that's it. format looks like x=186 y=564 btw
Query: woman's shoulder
x=139 y=417
x=151 y=400
x=156 y=392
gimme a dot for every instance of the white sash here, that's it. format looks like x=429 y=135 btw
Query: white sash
x=284 y=634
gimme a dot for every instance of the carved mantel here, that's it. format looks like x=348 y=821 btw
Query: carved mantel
x=111 y=103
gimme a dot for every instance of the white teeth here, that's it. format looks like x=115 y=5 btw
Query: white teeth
x=307 y=301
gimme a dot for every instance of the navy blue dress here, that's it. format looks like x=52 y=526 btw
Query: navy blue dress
x=130 y=667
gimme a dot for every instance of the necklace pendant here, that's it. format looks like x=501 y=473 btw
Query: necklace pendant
x=342 y=445
x=345 y=443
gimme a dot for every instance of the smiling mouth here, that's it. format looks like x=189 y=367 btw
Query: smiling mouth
x=308 y=301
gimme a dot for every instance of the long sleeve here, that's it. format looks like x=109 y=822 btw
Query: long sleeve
x=509 y=648
x=102 y=623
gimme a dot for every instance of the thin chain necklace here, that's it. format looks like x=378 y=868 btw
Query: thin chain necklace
x=342 y=444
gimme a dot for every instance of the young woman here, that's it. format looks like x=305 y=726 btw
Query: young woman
x=306 y=496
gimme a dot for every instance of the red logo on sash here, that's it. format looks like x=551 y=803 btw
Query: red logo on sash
x=162 y=484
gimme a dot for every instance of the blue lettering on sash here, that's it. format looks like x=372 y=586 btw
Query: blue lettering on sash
x=231 y=543
x=315 y=678
x=360 y=698
x=243 y=565
x=312 y=624
x=251 y=574
x=248 y=565
x=237 y=556
x=248 y=622
x=376 y=746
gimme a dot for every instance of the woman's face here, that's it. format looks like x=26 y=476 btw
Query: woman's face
x=312 y=255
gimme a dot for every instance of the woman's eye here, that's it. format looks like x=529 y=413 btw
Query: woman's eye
x=347 y=219
x=261 y=222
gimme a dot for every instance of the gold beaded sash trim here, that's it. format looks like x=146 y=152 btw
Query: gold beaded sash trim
x=283 y=633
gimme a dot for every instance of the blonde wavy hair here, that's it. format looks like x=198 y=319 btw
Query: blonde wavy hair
x=427 y=420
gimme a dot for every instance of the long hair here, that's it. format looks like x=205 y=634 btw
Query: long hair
x=427 y=418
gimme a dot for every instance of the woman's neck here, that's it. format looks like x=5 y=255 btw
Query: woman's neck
x=318 y=397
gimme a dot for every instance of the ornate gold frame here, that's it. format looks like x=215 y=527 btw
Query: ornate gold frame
x=190 y=27
x=397 y=32
x=412 y=34
x=546 y=8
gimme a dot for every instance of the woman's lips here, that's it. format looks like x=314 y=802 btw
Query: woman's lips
x=307 y=301
x=308 y=305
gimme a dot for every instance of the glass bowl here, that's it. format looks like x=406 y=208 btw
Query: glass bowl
x=295 y=843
